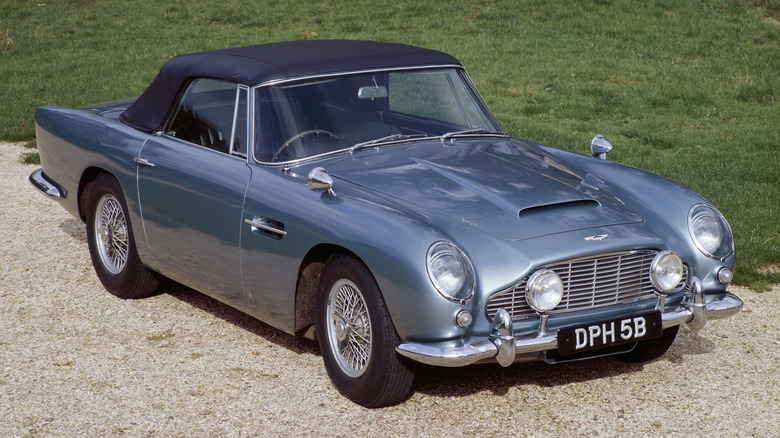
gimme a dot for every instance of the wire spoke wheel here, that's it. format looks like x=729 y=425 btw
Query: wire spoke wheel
x=111 y=242
x=357 y=338
x=349 y=328
x=111 y=234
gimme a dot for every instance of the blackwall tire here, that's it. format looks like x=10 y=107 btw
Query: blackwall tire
x=112 y=245
x=651 y=349
x=357 y=338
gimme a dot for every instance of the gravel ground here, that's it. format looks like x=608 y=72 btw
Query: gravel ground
x=75 y=361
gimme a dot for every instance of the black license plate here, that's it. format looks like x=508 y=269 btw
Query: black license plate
x=603 y=334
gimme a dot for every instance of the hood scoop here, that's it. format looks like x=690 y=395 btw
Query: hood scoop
x=580 y=203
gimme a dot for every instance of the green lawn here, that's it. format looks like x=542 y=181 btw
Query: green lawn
x=687 y=89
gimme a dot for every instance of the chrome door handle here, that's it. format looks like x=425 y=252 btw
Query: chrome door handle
x=264 y=224
x=143 y=162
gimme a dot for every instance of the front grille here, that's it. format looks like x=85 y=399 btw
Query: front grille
x=600 y=281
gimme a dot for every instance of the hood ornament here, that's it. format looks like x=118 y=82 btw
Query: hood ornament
x=597 y=238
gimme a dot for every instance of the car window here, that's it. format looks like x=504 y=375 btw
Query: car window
x=205 y=114
x=240 y=141
x=295 y=120
x=439 y=95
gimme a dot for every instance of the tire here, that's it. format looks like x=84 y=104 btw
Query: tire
x=357 y=338
x=112 y=245
x=651 y=349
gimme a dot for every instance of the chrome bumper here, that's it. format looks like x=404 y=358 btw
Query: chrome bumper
x=503 y=347
x=43 y=183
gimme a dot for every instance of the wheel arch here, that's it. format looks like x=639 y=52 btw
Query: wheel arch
x=89 y=176
x=309 y=276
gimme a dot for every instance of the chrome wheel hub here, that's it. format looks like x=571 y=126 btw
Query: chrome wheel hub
x=104 y=234
x=111 y=236
x=341 y=328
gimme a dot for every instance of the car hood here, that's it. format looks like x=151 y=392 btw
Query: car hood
x=503 y=187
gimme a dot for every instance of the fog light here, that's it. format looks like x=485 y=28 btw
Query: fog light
x=666 y=271
x=544 y=290
x=725 y=275
x=463 y=318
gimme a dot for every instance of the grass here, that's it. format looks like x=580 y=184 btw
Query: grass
x=687 y=89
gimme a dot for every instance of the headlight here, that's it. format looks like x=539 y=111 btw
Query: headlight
x=666 y=271
x=450 y=271
x=544 y=290
x=710 y=231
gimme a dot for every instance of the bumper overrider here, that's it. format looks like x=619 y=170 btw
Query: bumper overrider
x=42 y=182
x=504 y=347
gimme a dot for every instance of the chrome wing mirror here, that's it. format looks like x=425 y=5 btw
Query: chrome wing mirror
x=600 y=147
x=320 y=179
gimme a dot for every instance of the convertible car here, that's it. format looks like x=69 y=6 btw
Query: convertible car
x=362 y=194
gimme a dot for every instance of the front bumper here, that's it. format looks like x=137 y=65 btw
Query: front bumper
x=503 y=347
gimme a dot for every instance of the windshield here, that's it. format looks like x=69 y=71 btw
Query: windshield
x=304 y=119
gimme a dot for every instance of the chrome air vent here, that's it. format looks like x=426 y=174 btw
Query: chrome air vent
x=599 y=281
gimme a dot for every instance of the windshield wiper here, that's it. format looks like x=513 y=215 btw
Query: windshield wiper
x=451 y=135
x=388 y=139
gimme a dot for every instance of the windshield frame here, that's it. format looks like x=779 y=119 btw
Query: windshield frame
x=458 y=69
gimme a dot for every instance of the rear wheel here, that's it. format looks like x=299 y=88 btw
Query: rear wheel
x=356 y=337
x=111 y=242
x=651 y=349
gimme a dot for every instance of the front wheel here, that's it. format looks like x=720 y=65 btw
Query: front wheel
x=111 y=242
x=357 y=338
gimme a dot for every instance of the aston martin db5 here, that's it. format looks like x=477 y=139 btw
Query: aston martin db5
x=362 y=194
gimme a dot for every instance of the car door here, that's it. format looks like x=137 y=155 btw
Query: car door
x=278 y=231
x=191 y=183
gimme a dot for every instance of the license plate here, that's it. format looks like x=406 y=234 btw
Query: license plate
x=603 y=334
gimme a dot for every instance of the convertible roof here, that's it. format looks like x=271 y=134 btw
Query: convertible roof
x=253 y=65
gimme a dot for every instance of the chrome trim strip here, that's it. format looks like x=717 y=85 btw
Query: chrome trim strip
x=42 y=182
x=498 y=346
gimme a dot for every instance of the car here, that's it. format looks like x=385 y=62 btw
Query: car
x=361 y=193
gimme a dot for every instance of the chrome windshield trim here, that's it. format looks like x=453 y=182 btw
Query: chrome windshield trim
x=337 y=74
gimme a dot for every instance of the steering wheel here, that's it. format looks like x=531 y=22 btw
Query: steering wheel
x=300 y=135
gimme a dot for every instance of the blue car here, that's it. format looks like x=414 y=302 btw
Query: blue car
x=362 y=194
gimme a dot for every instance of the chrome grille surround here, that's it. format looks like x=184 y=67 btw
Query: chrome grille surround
x=591 y=282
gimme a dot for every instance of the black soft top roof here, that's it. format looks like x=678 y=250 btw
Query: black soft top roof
x=253 y=65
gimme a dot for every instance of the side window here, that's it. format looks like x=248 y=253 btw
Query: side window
x=205 y=114
x=240 y=141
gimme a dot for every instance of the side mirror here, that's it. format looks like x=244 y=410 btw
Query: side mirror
x=320 y=179
x=600 y=147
